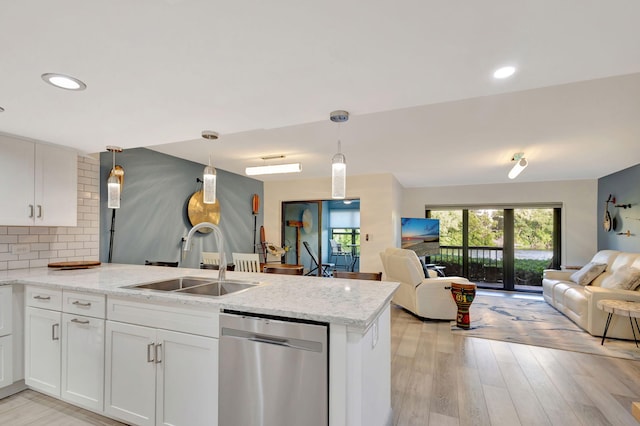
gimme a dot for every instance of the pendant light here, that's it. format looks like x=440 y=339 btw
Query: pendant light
x=113 y=182
x=339 y=161
x=209 y=175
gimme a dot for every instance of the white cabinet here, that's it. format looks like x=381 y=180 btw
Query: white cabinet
x=64 y=352
x=41 y=187
x=161 y=377
x=42 y=350
x=131 y=373
x=6 y=338
x=82 y=372
x=6 y=361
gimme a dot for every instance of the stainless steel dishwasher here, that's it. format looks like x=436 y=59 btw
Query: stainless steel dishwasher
x=272 y=372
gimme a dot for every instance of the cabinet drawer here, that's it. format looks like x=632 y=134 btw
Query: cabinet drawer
x=46 y=298
x=91 y=305
x=186 y=319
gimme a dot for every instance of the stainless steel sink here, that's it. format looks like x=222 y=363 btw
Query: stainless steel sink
x=197 y=286
x=219 y=288
x=174 y=284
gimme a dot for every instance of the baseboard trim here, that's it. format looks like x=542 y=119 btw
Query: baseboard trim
x=12 y=389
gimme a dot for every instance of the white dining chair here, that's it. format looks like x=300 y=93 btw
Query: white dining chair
x=211 y=258
x=247 y=262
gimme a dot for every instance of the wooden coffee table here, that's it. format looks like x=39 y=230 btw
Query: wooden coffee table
x=623 y=308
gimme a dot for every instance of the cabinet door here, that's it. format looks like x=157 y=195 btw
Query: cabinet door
x=187 y=377
x=130 y=373
x=56 y=186
x=42 y=350
x=17 y=175
x=83 y=361
x=6 y=358
x=6 y=312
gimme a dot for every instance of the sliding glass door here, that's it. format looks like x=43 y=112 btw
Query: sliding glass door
x=503 y=248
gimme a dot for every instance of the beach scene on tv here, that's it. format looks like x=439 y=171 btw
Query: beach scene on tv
x=421 y=235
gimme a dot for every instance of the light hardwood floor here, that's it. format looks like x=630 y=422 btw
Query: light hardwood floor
x=441 y=379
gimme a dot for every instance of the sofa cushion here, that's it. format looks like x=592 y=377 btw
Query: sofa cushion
x=623 y=278
x=588 y=273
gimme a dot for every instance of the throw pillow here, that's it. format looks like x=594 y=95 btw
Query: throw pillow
x=623 y=278
x=588 y=273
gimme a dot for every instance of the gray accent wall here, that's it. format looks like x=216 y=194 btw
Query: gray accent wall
x=625 y=187
x=152 y=218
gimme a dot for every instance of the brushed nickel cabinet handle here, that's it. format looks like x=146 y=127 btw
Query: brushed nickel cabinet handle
x=31 y=211
x=42 y=297
x=54 y=335
x=158 y=353
x=149 y=352
x=79 y=303
x=39 y=211
x=77 y=321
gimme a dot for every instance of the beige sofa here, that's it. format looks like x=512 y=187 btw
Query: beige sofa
x=426 y=297
x=579 y=302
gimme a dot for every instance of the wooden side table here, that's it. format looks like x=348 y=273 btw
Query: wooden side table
x=623 y=308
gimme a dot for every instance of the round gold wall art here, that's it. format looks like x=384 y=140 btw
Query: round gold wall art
x=199 y=212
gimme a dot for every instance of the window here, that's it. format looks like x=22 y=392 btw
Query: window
x=499 y=247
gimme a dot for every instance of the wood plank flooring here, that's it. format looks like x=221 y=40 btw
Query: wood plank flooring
x=35 y=409
x=441 y=379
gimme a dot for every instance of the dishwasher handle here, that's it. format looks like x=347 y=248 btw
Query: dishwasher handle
x=293 y=343
x=271 y=341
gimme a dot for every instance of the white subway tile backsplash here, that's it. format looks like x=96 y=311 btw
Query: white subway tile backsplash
x=59 y=244
x=18 y=264
x=7 y=256
x=27 y=239
x=18 y=230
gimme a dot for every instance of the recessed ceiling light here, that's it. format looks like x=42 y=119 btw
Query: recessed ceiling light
x=504 y=72
x=63 y=81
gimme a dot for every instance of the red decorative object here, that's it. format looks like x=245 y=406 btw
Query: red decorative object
x=463 y=295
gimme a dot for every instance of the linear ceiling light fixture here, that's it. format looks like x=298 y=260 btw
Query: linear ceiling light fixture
x=339 y=161
x=521 y=164
x=209 y=176
x=113 y=182
x=273 y=168
x=62 y=81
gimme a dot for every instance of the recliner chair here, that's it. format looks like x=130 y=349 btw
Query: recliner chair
x=425 y=297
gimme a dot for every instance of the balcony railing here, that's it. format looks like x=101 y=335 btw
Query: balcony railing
x=485 y=264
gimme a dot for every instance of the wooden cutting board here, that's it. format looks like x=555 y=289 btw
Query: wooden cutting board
x=78 y=264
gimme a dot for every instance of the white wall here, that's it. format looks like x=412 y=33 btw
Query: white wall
x=578 y=198
x=380 y=197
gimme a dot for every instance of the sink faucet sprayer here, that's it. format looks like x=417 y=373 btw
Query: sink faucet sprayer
x=219 y=242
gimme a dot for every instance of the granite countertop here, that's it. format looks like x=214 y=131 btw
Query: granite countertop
x=354 y=303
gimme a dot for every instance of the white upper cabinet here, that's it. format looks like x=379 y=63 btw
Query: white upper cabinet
x=40 y=184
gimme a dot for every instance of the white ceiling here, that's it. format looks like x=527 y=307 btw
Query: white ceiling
x=415 y=76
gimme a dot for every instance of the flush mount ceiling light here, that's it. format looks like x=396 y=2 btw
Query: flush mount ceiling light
x=63 y=81
x=504 y=72
x=113 y=183
x=273 y=168
x=209 y=176
x=339 y=161
x=521 y=164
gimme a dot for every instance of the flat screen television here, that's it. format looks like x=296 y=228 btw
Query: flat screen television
x=420 y=235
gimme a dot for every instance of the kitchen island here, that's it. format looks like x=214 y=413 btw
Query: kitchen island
x=356 y=312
